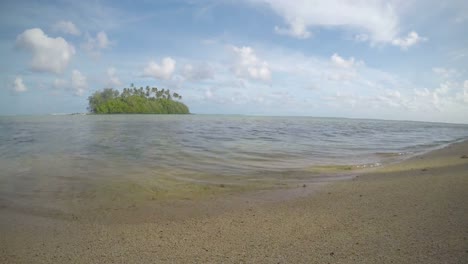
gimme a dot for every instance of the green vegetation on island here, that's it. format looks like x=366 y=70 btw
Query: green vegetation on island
x=136 y=101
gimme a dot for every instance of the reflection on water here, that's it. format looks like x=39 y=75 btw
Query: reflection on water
x=64 y=155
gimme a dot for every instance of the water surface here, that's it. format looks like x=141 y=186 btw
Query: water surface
x=63 y=157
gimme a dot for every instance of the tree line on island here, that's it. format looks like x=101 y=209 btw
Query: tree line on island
x=136 y=101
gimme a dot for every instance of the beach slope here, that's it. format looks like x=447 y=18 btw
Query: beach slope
x=412 y=212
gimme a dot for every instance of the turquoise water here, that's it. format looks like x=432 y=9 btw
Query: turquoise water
x=65 y=154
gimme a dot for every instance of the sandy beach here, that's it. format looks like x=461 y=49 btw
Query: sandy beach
x=410 y=212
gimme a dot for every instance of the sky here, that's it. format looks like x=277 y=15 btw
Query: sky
x=398 y=59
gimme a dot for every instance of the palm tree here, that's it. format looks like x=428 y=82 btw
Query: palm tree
x=159 y=94
x=168 y=94
x=155 y=91
x=147 y=91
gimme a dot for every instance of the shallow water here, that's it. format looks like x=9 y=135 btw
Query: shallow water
x=65 y=156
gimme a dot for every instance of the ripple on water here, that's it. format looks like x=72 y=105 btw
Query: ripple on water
x=67 y=156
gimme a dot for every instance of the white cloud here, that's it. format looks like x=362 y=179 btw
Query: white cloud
x=66 y=27
x=48 y=54
x=420 y=104
x=348 y=82
x=102 y=41
x=375 y=21
x=79 y=82
x=197 y=73
x=443 y=89
x=297 y=28
x=444 y=72
x=343 y=70
x=94 y=45
x=248 y=65
x=345 y=82
x=412 y=39
x=438 y=98
x=339 y=61
x=19 y=86
x=392 y=98
x=112 y=78
x=160 y=71
x=375 y=18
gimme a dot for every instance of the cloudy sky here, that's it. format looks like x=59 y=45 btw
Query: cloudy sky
x=399 y=59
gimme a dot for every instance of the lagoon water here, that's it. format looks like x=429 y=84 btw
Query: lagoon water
x=62 y=156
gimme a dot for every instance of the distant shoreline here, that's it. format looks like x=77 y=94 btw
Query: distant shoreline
x=272 y=116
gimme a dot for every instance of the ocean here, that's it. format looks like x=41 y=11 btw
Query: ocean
x=63 y=156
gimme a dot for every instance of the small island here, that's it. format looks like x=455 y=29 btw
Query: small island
x=136 y=101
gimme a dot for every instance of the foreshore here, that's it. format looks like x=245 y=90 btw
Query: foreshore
x=415 y=211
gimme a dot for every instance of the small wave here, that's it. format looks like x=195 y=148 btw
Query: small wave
x=391 y=154
x=370 y=165
x=24 y=140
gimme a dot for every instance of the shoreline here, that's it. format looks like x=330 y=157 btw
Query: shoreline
x=413 y=211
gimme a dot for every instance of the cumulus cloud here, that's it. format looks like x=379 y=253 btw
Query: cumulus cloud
x=112 y=78
x=197 y=73
x=374 y=21
x=19 y=86
x=94 y=45
x=248 y=65
x=374 y=17
x=297 y=28
x=343 y=69
x=66 y=27
x=443 y=89
x=101 y=40
x=391 y=98
x=339 y=61
x=411 y=103
x=437 y=98
x=78 y=82
x=412 y=39
x=164 y=70
x=48 y=54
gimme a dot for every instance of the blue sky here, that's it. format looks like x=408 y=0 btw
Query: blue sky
x=367 y=59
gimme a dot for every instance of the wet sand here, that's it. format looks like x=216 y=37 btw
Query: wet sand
x=411 y=212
